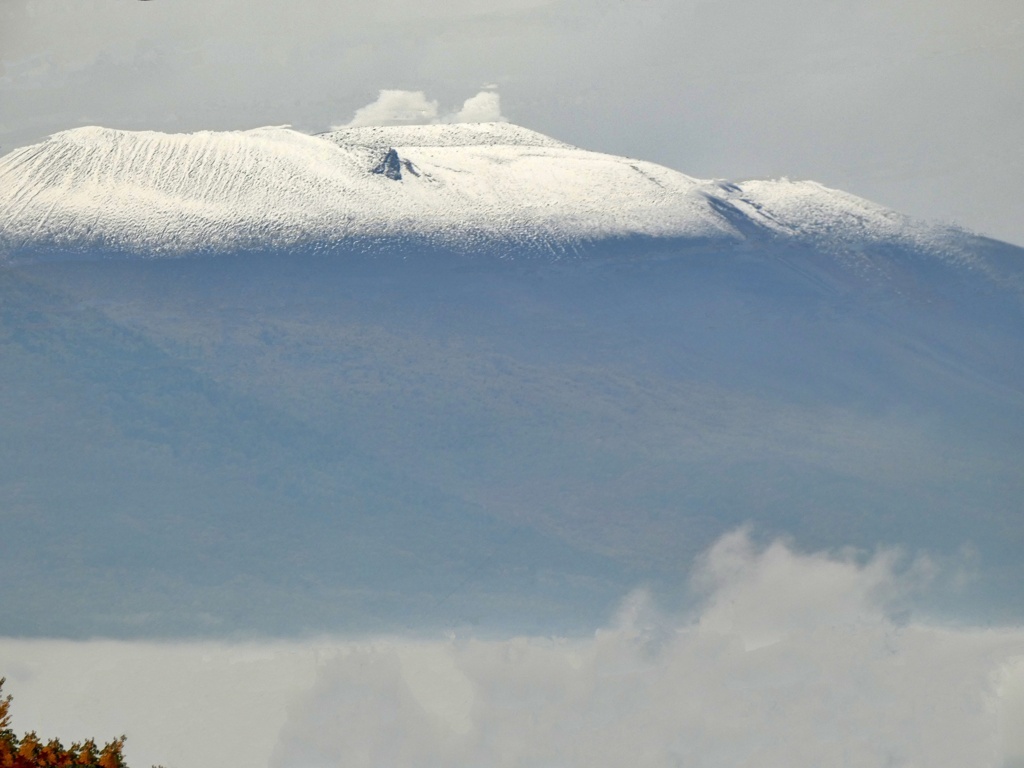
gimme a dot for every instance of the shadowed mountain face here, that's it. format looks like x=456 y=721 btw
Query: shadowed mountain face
x=291 y=443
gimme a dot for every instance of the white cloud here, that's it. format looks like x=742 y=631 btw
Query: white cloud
x=841 y=684
x=1011 y=696
x=485 y=107
x=767 y=595
x=397 y=107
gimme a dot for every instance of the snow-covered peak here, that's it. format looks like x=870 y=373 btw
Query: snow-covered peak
x=813 y=214
x=466 y=187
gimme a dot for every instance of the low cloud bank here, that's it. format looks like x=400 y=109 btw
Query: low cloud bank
x=795 y=659
x=395 y=107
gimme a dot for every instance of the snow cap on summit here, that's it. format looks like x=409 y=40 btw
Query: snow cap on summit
x=478 y=187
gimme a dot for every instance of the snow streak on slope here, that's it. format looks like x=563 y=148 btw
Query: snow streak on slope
x=464 y=187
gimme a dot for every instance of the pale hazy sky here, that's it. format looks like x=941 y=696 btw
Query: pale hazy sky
x=917 y=104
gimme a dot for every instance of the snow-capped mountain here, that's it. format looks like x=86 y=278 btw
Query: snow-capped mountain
x=463 y=187
x=295 y=437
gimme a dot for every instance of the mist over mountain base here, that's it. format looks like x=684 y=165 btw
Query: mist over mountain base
x=791 y=658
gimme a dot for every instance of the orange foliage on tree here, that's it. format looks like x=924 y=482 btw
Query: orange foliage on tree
x=30 y=752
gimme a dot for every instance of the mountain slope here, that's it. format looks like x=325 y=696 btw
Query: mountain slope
x=297 y=444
